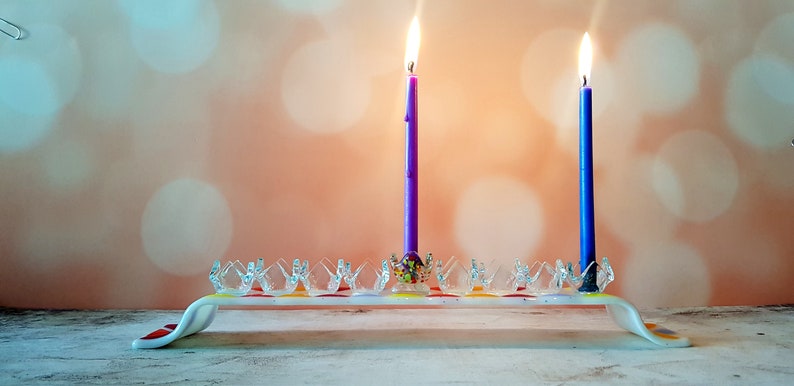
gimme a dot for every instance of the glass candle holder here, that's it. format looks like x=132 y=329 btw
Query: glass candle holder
x=367 y=279
x=323 y=278
x=455 y=278
x=501 y=279
x=543 y=278
x=233 y=278
x=278 y=278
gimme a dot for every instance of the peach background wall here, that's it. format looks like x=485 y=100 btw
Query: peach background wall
x=141 y=140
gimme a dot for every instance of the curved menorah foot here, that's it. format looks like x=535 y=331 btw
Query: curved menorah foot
x=197 y=317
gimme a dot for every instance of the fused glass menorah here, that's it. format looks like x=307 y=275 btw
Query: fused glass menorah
x=417 y=283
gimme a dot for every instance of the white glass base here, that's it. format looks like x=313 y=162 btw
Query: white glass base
x=201 y=313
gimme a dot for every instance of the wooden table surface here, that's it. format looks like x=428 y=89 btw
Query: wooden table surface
x=733 y=345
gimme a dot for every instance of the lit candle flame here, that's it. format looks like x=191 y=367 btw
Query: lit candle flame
x=412 y=46
x=585 y=59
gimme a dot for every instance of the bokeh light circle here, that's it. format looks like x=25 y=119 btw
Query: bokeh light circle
x=695 y=176
x=174 y=36
x=310 y=7
x=660 y=66
x=187 y=223
x=27 y=87
x=19 y=132
x=774 y=76
x=42 y=74
x=322 y=89
x=498 y=218
x=38 y=78
x=756 y=106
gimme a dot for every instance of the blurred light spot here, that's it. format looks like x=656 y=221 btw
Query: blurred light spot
x=667 y=187
x=775 y=77
x=667 y=275
x=173 y=36
x=185 y=226
x=752 y=113
x=498 y=218
x=661 y=66
x=68 y=166
x=161 y=15
x=38 y=77
x=27 y=88
x=775 y=38
x=42 y=74
x=19 y=132
x=310 y=6
x=695 y=176
x=627 y=204
x=323 y=89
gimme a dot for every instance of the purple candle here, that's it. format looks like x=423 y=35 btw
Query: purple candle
x=411 y=221
x=586 y=202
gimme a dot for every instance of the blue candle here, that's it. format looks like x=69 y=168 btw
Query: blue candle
x=586 y=209
x=411 y=199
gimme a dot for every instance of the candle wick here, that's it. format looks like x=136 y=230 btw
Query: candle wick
x=584 y=80
x=411 y=67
